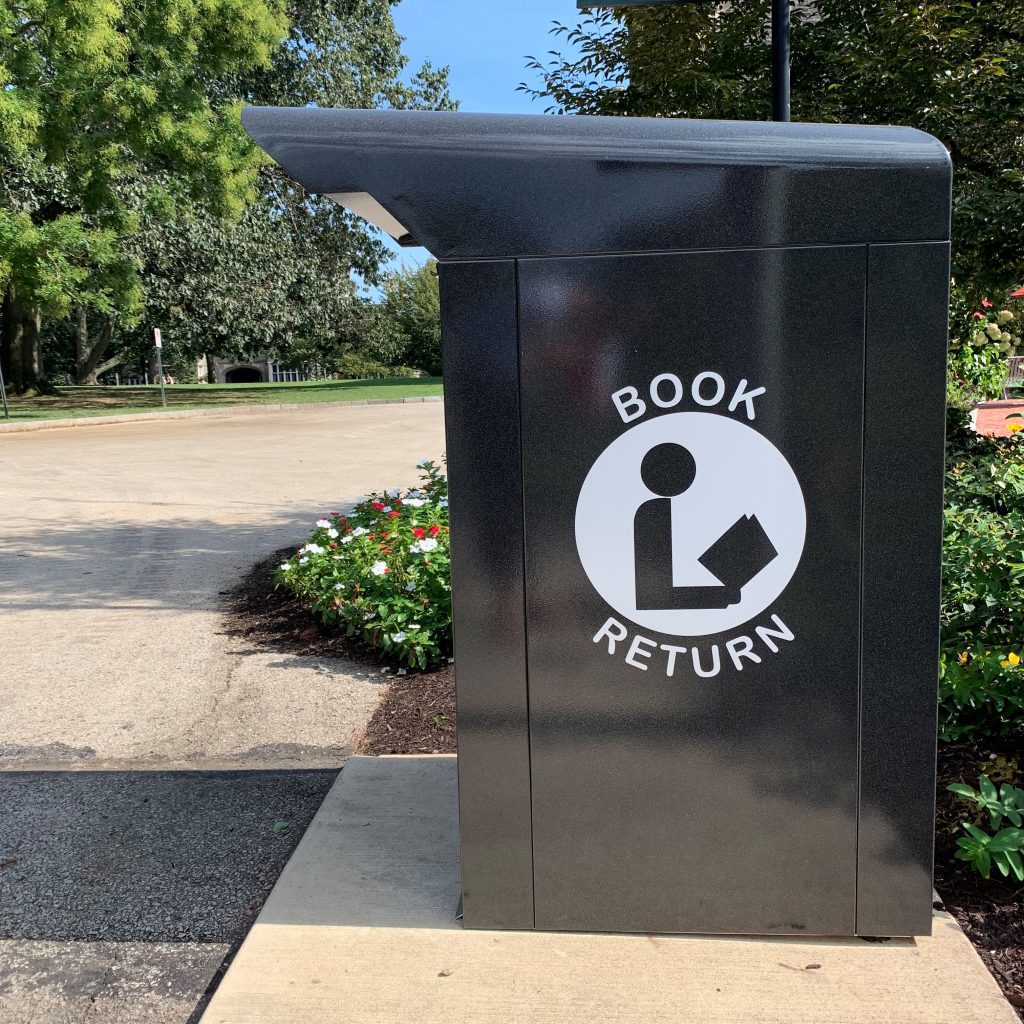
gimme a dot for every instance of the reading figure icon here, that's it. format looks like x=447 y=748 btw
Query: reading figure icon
x=739 y=554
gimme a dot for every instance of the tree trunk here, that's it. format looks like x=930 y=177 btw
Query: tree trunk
x=11 y=341
x=89 y=355
x=33 y=373
x=21 y=346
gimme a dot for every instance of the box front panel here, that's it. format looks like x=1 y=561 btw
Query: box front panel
x=692 y=429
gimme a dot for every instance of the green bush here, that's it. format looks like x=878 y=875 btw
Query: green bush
x=981 y=849
x=382 y=572
x=980 y=342
x=981 y=688
x=354 y=366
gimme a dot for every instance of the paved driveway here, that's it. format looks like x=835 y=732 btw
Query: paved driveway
x=155 y=772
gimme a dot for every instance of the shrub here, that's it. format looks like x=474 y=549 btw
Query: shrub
x=981 y=688
x=1003 y=848
x=356 y=366
x=381 y=572
x=980 y=342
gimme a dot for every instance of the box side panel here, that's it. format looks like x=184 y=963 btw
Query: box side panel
x=481 y=378
x=905 y=381
x=678 y=784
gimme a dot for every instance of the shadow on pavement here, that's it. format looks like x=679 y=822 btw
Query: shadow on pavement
x=150 y=856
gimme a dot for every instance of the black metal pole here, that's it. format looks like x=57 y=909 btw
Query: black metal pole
x=780 y=60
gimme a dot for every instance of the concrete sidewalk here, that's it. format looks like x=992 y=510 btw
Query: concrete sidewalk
x=361 y=929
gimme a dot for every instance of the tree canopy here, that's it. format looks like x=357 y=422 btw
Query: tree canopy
x=953 y=68
x=130 y=195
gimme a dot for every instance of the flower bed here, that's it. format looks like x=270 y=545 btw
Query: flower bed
x=381 y=572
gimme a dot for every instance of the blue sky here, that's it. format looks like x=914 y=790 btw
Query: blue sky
x=485 y=43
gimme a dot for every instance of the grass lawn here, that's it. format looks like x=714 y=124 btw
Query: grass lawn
x=104 y=401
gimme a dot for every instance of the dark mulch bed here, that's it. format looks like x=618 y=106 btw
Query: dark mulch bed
x=416 y=715
x=992 y=912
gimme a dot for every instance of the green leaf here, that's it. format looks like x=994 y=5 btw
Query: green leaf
x=961 y=789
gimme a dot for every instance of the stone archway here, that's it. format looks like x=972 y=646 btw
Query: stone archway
x=243 y=375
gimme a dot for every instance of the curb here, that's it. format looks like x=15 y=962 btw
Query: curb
x=185 y=414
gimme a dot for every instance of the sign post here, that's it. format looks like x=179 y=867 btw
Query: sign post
x=158 y=342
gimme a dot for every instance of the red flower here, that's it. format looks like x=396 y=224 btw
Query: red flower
x=397 y=501
x=435 y=530
x=373 y=536
x=418 y=532
x=385 y=534
x=385 y=551
x=394 y=515
x=377 y=505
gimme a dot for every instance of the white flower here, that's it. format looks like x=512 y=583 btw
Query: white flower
x=338 y=586
x=379 y=568
x=394 y=493
x=993 y=331
x=369 y=615
x=410 y=586
x=427 y=544
x=401 y=672
x=312 y=549
x=285 y=566
x=323 y=523
x=359 y=531
x=415 y=502
x=398 y=637
x=348 y=539
x=384 y=671
x=443 y=503
x=414 y=625
x=373 y=522
x=1005 y=316
x=332 y=533
x=303 y=560
x=1005 y=336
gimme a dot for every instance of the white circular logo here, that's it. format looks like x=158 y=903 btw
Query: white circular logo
x=690 y=523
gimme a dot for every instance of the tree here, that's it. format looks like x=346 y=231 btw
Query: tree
x=96 y=92
x=953 y=68
x=280 y=279
x=411 y=310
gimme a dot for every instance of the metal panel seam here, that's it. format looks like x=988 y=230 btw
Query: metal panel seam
x=526 y=624
x=860 y=605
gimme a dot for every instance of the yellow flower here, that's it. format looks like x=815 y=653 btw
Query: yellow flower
x=962 y=660
x=1012 y=660
x=1014 y=427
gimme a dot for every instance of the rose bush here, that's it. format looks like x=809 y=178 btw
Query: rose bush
x=382 y=571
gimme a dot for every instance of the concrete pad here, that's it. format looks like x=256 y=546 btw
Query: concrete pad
x=360 y=929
